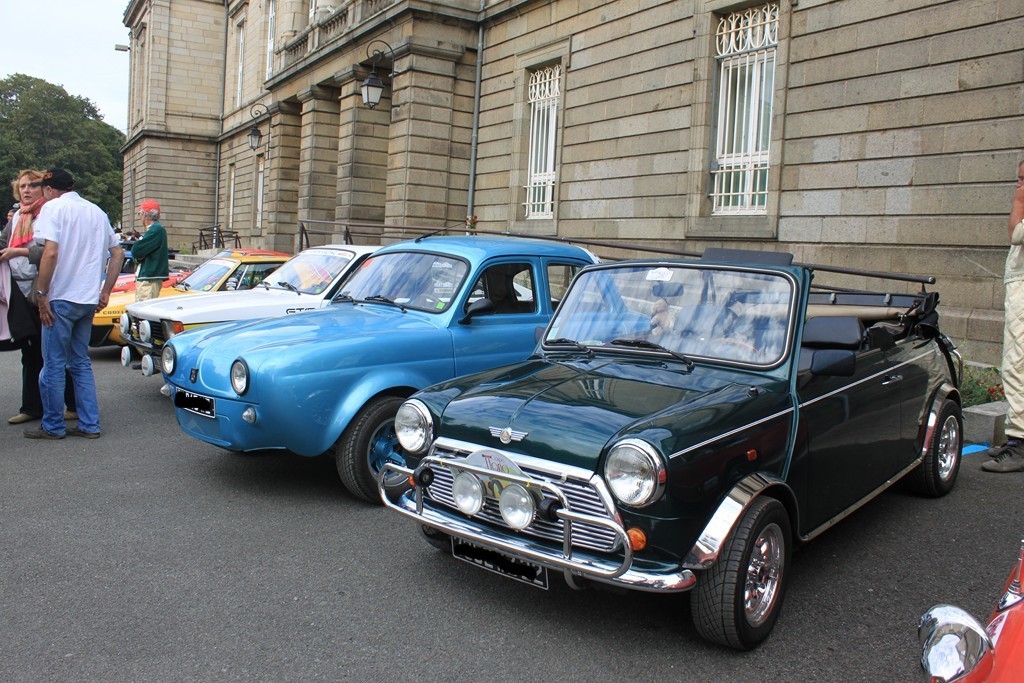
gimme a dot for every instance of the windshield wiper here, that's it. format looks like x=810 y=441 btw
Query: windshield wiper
x=565 y=341
x=645 y=344
x=288 y=285
x=380 y=298
x=343 y=296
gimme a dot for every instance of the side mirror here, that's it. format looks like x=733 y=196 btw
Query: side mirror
x=476 y=308
x=834 y=362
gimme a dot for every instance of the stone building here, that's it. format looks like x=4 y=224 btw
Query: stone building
x=879 y=135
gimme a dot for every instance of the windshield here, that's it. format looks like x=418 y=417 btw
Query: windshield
x=205 y=277
x=715 y=313
x=426 y=282
x=312 y=271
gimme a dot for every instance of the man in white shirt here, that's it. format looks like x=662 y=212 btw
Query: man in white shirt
x=69 y=291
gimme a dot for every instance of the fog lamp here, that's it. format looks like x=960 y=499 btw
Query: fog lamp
x=124 y=324
x=126 y=356
x=145 y=331
x=468 y=493
x=517 y=506
x=249 y=415
x=167 y=390
x=148 y=366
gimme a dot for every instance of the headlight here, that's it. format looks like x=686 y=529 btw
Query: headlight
x=145 y=331
x=468 y=493
x=240 y=377
x=125 y=324
x=413 y=426
x=517 y=506
x=953 y=641
x=172 y=327
x=635 y=472
x=168 y=358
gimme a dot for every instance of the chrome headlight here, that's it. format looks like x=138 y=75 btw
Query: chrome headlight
x=168 y=358
x=468 y=493
x=635 y=472
x=240 y=377
x=953 y=642
x=414 y=426
x=517 y=506
x=145 y=331
x=125 y=324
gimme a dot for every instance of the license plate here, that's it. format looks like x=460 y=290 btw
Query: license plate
x=194 y=403
x=499 y=563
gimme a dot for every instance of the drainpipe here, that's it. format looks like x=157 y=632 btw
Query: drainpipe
x=223 y=89
x=476 y=110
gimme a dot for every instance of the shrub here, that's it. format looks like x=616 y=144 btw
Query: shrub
x=981 y=384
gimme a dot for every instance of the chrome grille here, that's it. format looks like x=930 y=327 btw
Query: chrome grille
x=157 y=329
x=581 y=496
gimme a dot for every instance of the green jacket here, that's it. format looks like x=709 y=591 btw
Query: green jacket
x=151 y=253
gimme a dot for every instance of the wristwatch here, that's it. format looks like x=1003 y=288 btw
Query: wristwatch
x=40 y=292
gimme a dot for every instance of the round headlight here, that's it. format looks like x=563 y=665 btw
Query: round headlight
x=635 y=473
x=125 y=324
x=413 y=426
x=953 y=642
x=517 y=506
x=145 y=331
x=168 y=358
x=468 y=493
x=240 y=377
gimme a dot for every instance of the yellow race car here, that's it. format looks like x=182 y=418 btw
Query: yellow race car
x=227 y=271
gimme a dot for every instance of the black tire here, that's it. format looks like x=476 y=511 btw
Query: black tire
x=720 y=613
x=936 y=475
x=438 y=539
x=367 y=443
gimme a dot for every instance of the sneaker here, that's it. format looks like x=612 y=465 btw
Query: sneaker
x=21 y=417
x=42 y=434
x=75 y=431
x=1009 y=459
x=70 y=415
x=994 y=451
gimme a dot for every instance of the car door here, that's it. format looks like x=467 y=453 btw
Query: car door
x=851 y=429
x=507 y=334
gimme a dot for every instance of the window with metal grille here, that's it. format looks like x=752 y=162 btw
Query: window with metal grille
x=271 y=30
x=241 y=63
x=544 y=93
x=746 y=43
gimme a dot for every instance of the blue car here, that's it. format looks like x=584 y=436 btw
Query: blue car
x=414 y=314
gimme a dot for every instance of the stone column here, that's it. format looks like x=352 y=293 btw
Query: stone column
x=362 y=151
x=281 y=197
x=318 y=155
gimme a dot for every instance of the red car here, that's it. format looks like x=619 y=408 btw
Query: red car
x=958 y=648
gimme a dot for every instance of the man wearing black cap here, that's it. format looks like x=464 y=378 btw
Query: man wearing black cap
x=78 y=241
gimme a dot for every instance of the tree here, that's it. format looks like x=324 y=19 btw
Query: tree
x=43 y=126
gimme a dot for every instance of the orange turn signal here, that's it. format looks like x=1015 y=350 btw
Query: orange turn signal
x=637 y=539
x=751 y=455
x=177 y=327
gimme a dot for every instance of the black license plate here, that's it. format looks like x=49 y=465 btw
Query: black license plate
x=499 y=563
x=194 y=403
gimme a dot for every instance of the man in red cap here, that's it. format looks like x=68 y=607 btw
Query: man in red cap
x=151 y=253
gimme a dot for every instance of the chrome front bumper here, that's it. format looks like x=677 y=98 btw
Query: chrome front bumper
x=573 y=562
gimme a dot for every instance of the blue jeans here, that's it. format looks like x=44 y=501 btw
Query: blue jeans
x=66 y=346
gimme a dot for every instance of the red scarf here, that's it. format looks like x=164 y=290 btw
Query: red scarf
x=23 y=233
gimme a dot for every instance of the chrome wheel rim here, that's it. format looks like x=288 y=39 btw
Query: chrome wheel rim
x=948 y=451
x=764 y=575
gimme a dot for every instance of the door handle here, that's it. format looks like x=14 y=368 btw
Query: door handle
x=891 y=379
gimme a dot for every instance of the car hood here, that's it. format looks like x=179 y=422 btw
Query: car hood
x=226 y=306
x=569 y=411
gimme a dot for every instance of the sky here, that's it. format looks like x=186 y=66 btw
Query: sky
x=70 y=43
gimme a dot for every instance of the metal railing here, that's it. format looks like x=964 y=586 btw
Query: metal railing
x=213 y=237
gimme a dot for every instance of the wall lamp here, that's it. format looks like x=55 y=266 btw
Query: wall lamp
x=257 y=111
x=373 y=87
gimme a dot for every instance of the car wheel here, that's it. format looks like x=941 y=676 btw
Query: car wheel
x=367 y=445
x=737 y=601
x=936 y=475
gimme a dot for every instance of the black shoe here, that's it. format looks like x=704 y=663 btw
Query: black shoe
x=75 y=431
x=42 y=434
x=1009 y=459
x=136 y=366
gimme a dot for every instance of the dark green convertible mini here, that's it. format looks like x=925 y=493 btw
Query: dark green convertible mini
x=682 y=425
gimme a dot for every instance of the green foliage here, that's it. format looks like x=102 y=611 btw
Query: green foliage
x=42 y=126
x=981 y=384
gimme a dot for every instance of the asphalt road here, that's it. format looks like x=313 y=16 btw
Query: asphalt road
x=149 y=556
